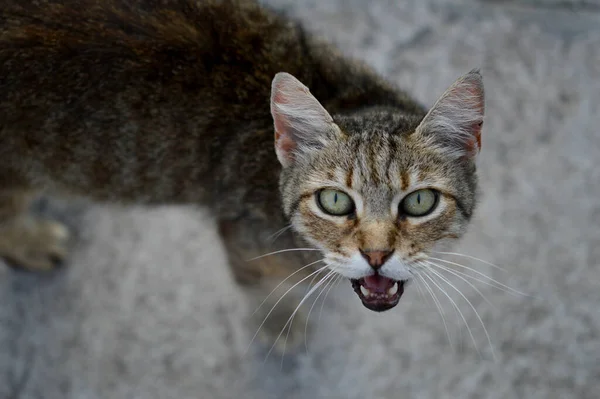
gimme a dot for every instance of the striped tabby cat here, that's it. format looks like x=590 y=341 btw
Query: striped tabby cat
x=208 y=102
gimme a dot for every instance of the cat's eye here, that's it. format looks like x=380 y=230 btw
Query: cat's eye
x=335 y=202
x=419 y=203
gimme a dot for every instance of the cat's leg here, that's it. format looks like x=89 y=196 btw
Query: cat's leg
x=271 y=304
x=28 y=241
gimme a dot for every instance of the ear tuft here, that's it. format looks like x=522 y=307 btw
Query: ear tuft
x=454 y=122
x=301 y=122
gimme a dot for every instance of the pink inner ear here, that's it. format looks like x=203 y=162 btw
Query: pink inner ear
x=475 y=144
x=472 y=96
x=278 y=98
x=284 y=142
x=475 y=94
x=279 y=120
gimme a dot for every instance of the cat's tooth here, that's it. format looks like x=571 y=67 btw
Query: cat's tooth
x=393 y=289
x=365 y=291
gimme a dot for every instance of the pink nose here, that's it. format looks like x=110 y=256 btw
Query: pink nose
x=376 y=258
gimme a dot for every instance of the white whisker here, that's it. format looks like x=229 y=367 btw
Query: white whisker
x=482 y=275
x=472 y=307
x=439 y=308
x=329 y=282
x=282 y=282
x=278 y=233
x=319 y=283
x=470 y=257
x=425 y=270
x=447 y=269
x=336 y=282
x=282 y=251
x=423 y=298
x=279 y=300
x=492 y=283
x=291 y=321
x=311 y=282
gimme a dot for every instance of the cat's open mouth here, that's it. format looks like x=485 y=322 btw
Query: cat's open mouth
x=378 y=293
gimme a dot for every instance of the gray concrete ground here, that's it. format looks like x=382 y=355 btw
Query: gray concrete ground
x=147 y=308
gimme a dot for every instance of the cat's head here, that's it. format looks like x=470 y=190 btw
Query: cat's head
x=378 y=189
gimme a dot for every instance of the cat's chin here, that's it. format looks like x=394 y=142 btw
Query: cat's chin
x=378 y=293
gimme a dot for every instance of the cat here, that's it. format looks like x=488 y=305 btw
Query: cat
x=208 y=102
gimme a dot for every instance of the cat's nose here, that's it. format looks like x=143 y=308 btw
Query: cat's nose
x=376 y=258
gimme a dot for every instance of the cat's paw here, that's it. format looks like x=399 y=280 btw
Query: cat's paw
x=34 y=244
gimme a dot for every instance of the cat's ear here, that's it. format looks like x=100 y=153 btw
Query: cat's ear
x=454 y=123
x=301 y=123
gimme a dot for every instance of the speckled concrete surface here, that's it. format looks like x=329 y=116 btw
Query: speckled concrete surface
x=147 y=308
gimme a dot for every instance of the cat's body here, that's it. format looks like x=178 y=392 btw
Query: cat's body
x=150 y=101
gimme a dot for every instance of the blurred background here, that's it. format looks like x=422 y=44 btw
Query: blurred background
x=148 y=309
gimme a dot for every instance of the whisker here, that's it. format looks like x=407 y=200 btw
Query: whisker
x=482 y=275
x=311 y=283
x=319 y=283
x=278 y=233
x=475 y=288
x=472 y=307
x=460 y=330
x=492 y=283
x=279 y=300
x=291 y=322
x=336 y=258
x=425 y=270
x=447 y=269
x=281 y=283
x=330 y=280
x=335 y=283
x=471 y=257
x=282 y=251
x=439 y=308
x=423 y=298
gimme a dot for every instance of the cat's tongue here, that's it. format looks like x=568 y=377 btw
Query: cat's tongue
x=378 y=284
x=377 y=292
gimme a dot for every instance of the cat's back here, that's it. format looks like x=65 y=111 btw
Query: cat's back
x=124 y=90
x=130 y=95
x=77 y=47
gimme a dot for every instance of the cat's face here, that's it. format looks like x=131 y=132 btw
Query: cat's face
x=376 y=192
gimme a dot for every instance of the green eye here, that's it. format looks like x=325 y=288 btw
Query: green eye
x=335 y=202
x=420 y=202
